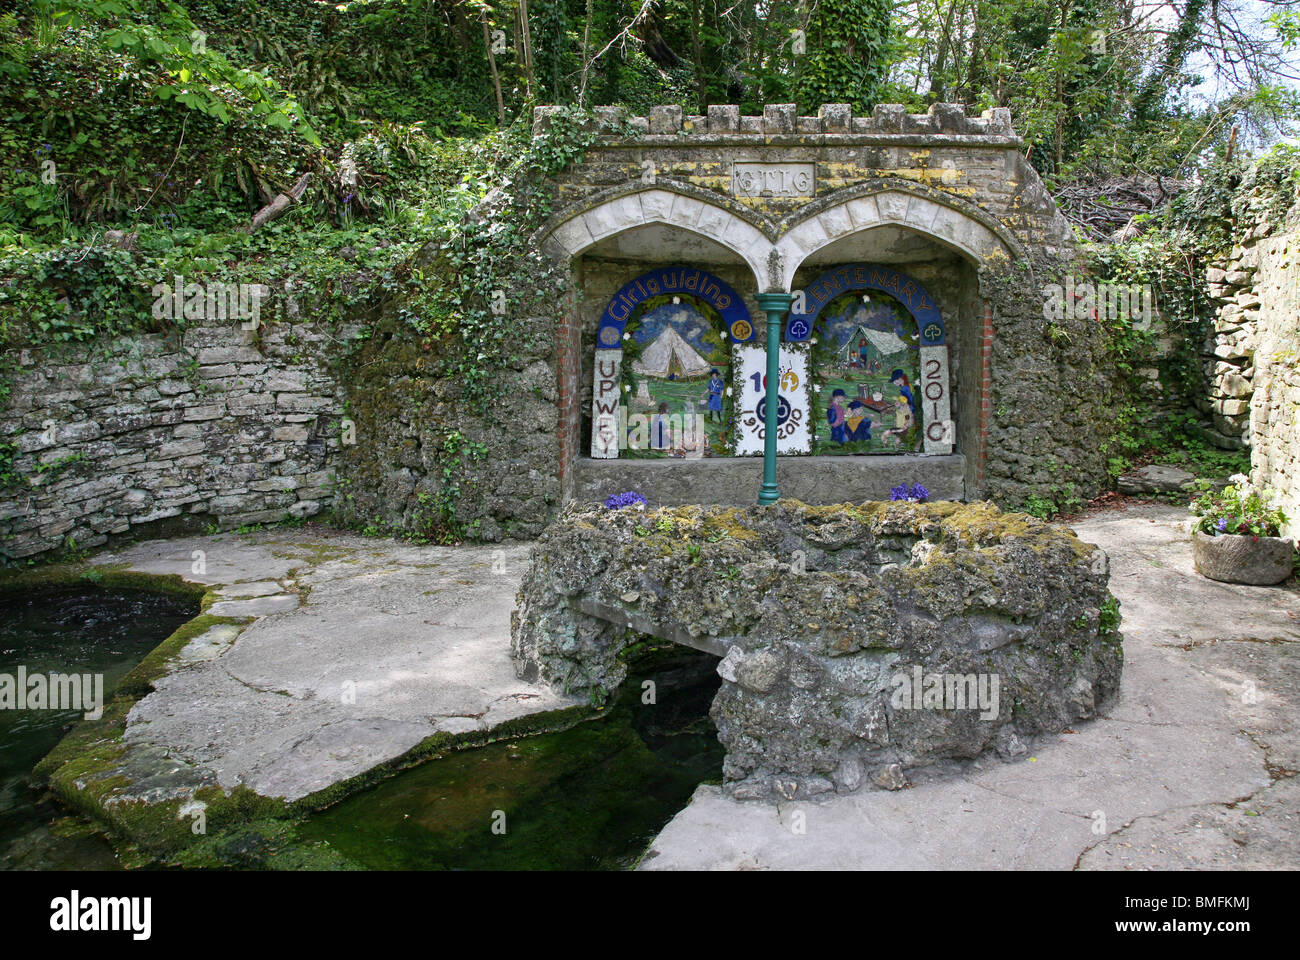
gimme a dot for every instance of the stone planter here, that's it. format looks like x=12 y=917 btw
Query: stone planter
x=1237 y=558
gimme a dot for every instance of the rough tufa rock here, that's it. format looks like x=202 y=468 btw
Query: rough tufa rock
x=829 y=619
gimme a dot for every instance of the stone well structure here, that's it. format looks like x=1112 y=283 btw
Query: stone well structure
x=938 y=214
x=856 y=643
x=937 y=219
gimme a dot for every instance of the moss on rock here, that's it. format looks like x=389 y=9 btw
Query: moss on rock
x=820 y=611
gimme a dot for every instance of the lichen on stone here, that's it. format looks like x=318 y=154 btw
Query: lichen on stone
x=825 y=615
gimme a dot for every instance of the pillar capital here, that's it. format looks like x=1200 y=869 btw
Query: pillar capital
x=771 y=302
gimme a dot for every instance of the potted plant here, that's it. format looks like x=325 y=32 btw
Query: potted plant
x=1237 y=537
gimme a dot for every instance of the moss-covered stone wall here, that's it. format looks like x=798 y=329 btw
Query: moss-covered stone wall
x=154 y=433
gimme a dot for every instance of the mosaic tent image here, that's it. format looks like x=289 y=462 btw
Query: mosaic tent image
x=676 y=381
x=866 y=360
x=617 y=436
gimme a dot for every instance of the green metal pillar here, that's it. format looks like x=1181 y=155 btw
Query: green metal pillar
x=775 y=306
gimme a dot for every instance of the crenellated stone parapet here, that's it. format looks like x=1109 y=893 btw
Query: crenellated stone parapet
x=783 y=120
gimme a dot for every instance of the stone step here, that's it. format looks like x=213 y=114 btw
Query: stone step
x=734 y=481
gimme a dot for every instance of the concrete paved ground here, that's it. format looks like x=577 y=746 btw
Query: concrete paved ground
x=359 y=650
x=1194 y=767
x=354 y=650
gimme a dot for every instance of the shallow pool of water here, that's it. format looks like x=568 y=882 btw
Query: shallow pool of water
x=588 y=798
x=591 y=797
x=97 y=632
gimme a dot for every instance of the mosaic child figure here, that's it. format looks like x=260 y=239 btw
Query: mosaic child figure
x=836 y=418
x=905 y=413
x=715 y=395
x=899 y=379
x=857 y=422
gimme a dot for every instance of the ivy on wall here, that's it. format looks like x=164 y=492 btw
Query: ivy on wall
x=452 y=330
x=849 y=45
x=484 y=275
x=1198 y=228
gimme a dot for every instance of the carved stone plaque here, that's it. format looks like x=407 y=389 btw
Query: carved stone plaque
x=605 y=403
x=772 y=179
x=936 y=404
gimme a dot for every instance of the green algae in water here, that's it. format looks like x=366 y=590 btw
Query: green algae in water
x=588 y=798
x=104 y=632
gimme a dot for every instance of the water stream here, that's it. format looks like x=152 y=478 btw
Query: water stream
x=591 y=797
x=101 y=632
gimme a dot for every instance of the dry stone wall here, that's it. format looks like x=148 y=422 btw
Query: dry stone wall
x=1228 y=354
x=147 y=434
x=1275 y=400
x=1251 y=359
x=1253 y=294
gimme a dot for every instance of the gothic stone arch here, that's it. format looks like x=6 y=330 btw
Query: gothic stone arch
x=963 y=230
x=782 y=193
x=577 y=230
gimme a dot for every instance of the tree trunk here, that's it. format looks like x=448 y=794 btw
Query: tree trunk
x=280 y=204
x=586 y=52
x=937 y=85
x=526 y=38
x=697 y=53
x=1060 y=97
x=496 y=77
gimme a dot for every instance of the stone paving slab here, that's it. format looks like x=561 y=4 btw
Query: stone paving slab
x=1190 y=770
x=355 y=651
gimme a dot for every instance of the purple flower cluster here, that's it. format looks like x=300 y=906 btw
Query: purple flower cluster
x=620 y=500
x=913 y=493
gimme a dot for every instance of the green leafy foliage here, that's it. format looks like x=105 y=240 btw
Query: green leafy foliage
x=1094 y=90
x=1170 y=258
x=487 y=257
x=161 y=41
x=1238 y=508
x=848 y=51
